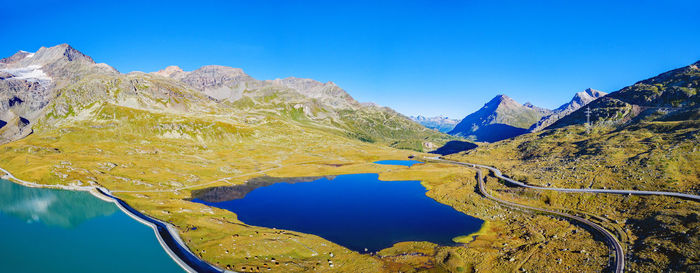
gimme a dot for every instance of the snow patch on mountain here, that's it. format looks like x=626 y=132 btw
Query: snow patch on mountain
x=29 y=73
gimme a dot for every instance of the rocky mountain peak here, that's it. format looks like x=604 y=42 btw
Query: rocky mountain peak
x=222 y=70
x=592 y=93
x=216 y=81
x=500 y=98
x=47 y=55
x=579 y=100
x=500 y=118
x=61 y=61
x=16 y=57
x=505 y=103
x=73 y=54
x=500 y=101
x=169 y=71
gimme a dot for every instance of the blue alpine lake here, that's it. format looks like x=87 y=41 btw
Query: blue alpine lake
x=357 y=211
x=408 y=163
x=48 y=230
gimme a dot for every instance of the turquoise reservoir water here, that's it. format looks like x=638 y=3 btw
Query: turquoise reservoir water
x=357 y=211
x=46 y=230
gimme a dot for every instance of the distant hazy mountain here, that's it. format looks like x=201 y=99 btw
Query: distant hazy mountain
x=440 y=123
x=579 y=100
x=499 y=119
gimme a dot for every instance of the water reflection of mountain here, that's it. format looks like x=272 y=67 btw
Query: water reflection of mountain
x=228 y=193
x=61 y=208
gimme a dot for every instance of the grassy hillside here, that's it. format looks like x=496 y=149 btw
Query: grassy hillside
x=643 y=137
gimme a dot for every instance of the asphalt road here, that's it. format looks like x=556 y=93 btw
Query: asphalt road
x=521 y=184
x=609 y=237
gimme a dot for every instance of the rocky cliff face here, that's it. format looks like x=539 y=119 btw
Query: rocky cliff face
x=578 y=101
x=500 y=118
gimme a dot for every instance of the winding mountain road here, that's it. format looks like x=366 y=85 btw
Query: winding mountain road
x=498 y=174
x=609 y=237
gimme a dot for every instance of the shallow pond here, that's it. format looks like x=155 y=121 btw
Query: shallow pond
x=357 y=211
x=408 y=163
x=47 y=230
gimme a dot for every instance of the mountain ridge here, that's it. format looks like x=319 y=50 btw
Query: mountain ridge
x=579 y=100
x=67 y=82
x=439 y=123
x=661 y=95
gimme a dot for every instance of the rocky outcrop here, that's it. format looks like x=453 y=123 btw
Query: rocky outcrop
x=13 y=127
x=578 y=101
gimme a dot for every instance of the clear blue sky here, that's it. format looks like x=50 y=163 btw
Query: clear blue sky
x=431 y=57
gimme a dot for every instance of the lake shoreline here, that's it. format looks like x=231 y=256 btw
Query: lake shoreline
x=292 y=200
x=465 y=239
x=166 y=234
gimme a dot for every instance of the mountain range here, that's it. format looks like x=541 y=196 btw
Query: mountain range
x=439 y=123
x=579 y=100
x=58 y=84
x=503 y=118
